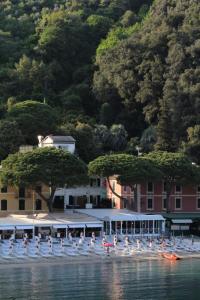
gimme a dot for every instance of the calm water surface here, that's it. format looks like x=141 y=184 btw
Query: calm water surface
x=103 y=280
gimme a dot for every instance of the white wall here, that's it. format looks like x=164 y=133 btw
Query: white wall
x=68 y=147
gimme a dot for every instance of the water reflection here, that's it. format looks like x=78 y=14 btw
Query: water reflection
x=105 y=280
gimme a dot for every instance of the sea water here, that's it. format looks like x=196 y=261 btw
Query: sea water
x=125 y=279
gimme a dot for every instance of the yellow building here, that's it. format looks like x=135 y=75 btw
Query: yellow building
x=21 y=200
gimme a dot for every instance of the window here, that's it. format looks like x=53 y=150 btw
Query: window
x=149 y=203
x=164 y=186
x=113 y=203
x=93 y=200
x=125 y=202
x=150 y=187
x=21 y=192
x=3 y=204
x=124 y=188
x=178 y=188
x=21 y=204
x=98 y=199
x=38 y=189
x=113 y=185
x=198 y=203
x=178 y=203
x=164 y=204
x=98 y=182
x=4 y=189
x=38 y=204
x=71 y=200
x=198 y=189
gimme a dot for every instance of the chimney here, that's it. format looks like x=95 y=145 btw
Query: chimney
x=40 y=138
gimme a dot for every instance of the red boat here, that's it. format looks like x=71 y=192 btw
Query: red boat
x=171 y=256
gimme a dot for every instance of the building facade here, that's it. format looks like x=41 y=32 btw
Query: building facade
x=15 y=200
x=61 y=142
x=151 y=197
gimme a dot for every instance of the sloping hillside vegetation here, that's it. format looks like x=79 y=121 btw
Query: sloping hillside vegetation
x=115 y=74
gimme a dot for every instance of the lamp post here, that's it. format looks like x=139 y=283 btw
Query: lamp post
x=33 y=198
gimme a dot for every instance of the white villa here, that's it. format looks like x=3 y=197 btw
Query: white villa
x=61 y=142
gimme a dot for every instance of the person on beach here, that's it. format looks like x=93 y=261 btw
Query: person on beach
x=70 y=237
x=126 y=241
x=92 y=243
x=93 y=236
x=115 y=241
x=138 y=244
x=62 y=244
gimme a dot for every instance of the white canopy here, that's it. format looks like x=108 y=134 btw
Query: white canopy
x=22 y=227
x=94 y=225
x=181 y=221
x=7 y=227
x=56 y=220
x=119 y=215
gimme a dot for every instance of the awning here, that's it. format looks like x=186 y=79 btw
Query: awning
x=119 y=215
x=93 y=225
x=181 y=221
x=23 y=227
x=76 y=225
x=7 y=227
x=60 y=226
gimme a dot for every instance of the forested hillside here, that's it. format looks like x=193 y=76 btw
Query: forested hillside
x=115 y=74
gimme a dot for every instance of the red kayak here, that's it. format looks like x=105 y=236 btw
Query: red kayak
x=170 y=256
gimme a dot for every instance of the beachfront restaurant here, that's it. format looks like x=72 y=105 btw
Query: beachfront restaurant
x=126 y=222
x=49 y=224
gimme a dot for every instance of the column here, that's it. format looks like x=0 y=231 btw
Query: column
x=153 y=228
x=84 y=232
x=163 y=226
x=110 y=228
x=33 y=232
x=121 y=228
x=138 y=188
x=134 y=227
x=66 y=199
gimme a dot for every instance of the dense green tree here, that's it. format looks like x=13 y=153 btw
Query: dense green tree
x=106 y=114
x=148 y=139
x=192 y=146
x=33 y=118
x=156 y=63
x=49 y=166
x=10 y=138
x=118 y=137
x=164 y=130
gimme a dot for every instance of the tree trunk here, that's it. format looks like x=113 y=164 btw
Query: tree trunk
x=134 y=203
x=49 y=201
x=117 y=195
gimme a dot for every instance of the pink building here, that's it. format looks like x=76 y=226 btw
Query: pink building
x=152 y=197
x=184 y=201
